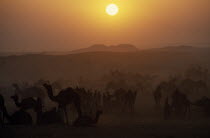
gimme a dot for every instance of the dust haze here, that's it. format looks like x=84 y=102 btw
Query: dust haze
x=153 y=91
x=68 y=69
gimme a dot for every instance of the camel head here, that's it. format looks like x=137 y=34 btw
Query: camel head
x=48 y=86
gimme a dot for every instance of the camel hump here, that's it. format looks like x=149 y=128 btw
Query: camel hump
x=69 y=89
x=34 y=89
x=29 y=100
x=69 y=92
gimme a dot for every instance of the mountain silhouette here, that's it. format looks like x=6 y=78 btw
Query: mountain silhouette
x=104 y=48
x=98 y=48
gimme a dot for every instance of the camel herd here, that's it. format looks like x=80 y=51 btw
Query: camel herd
x=176 y=101
x=119 y=101
x=88 y=104
x=63 y=99
x=84 y=101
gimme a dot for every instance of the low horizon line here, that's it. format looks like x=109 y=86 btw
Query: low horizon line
x=44 y=51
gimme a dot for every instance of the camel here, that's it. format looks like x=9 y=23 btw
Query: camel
x=25 y=104
x=64 y=98
x=20 y=117
x=165 y=88
x=180 y=103
x=49 y=117
x=87 y=120
x=29 y=91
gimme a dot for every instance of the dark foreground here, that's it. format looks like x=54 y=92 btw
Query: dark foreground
x=112 y=128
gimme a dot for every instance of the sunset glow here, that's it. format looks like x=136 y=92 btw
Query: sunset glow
x=132 y=68
x=112 y=9
x=62 y=24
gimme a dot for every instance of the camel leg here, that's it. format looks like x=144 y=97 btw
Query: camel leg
x=66 y=116
x=78 y=107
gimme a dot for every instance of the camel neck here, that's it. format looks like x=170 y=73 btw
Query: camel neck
x=50 y=95
x=17 y=103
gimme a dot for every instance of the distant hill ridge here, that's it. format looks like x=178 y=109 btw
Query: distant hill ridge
x=104 y=48
x=123 y=48
x=113 y=48
x=93 y=65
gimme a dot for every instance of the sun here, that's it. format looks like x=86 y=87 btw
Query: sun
x=112 y=9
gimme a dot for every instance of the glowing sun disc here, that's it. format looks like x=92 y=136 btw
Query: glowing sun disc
x=112 y=9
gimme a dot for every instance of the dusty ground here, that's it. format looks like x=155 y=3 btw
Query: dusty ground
x=115 y=126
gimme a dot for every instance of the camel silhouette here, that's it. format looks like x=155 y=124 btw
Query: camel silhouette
x=180 y=104
x=20 y=117
x=64 y=98
x=49 y=117
x=25 y=104
x=87 y=120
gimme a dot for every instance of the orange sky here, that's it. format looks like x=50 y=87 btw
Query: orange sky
x=51 y=25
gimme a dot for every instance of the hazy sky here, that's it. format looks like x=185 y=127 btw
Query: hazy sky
x=51 y=25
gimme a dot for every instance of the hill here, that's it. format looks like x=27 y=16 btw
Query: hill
x=95 y=64
x=98 y=48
